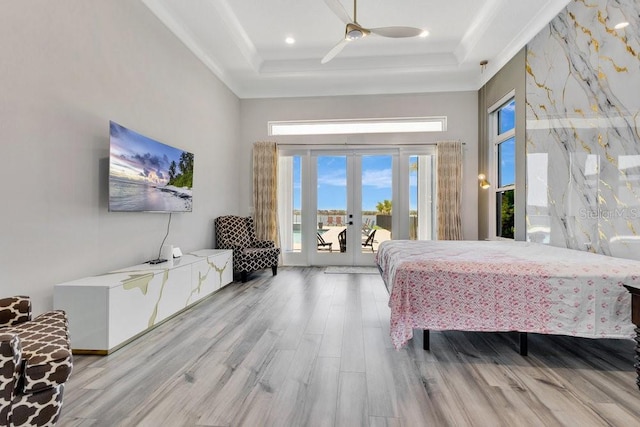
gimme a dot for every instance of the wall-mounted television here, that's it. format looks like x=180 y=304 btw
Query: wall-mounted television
x=146 y=175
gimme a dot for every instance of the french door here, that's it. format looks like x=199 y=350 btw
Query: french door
x=347 y=192
x=337 y=206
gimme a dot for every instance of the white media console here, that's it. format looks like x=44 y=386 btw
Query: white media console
x=108 y=311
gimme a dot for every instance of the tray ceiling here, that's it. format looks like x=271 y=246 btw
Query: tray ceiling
x=243 y=43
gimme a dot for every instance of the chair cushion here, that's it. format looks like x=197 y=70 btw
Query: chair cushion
x=260 y=253
x=252 y=259
x=46 y=351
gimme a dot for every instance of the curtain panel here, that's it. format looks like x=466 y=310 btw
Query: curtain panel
x=265 y=191
x=449 y=185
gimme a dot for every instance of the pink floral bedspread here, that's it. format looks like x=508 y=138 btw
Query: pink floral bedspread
x=505 y=286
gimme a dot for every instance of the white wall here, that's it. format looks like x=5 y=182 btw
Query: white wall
x=67 y=68
x=461 y=109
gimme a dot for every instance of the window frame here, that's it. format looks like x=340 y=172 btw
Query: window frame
x=495 y=139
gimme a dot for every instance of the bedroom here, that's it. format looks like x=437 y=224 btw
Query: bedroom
x=59 y=92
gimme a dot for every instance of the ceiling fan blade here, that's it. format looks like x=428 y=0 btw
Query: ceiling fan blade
x=334 y=51
x=396 y=32
x=339 y=10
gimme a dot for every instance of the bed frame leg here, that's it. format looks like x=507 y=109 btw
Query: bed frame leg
x=523 y=343
x=425 y=339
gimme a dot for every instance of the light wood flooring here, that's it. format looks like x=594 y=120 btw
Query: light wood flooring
x=305 y=348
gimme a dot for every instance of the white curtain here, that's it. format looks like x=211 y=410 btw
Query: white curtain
x=449 y=184
x=265 y=191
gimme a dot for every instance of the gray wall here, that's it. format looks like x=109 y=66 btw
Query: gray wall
x=461 y=109
x=510 y=77
x=68 y=68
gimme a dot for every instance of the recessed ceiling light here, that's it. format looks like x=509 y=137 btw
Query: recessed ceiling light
x=621 y=25
x=289 y=40
x=424 y=34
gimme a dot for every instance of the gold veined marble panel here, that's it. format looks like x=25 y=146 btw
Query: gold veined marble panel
x=583 y=104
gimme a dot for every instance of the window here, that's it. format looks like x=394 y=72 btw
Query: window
x=358 y=126
x=504 y=140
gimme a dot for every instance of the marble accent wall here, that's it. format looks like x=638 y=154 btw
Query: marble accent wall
x=583 y=139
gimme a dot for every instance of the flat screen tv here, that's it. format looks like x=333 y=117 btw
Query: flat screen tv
x=146 y=175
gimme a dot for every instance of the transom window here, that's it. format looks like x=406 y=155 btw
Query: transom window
x=358 y=126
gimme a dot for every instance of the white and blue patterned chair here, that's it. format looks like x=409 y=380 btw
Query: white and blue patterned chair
x=249 y=254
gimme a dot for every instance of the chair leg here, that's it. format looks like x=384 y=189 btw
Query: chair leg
x=243 y=276
x=274 y=268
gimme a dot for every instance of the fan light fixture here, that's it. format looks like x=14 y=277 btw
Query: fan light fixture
x=355 y=35
x=354 y=31
x=484 y=184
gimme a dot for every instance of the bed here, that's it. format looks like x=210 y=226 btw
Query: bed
x=505 y=286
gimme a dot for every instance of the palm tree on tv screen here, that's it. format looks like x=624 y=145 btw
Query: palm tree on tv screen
x=185 y=177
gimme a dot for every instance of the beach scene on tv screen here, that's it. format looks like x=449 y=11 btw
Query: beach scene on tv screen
x=147 y=175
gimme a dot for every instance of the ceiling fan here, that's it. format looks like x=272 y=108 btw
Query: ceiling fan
x=354 y=31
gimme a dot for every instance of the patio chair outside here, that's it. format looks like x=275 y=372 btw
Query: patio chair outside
x=366 y=228
x=342 y=240
x=369 y=241
x=322 y=244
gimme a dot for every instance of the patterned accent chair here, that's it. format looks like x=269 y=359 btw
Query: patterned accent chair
x=35 y=363
x=249 y=254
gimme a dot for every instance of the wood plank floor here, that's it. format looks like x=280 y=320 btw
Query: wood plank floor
x=306 y=348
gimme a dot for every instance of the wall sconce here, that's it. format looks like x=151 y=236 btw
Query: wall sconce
x=484 y=184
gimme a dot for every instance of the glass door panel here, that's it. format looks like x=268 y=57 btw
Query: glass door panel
x=376 y=201
x=421 y=197
x=413 y=197
x=332 y=204
x=290 y=203
x=296 y=191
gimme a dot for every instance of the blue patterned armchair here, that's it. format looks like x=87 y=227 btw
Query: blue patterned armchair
x=237 y=233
